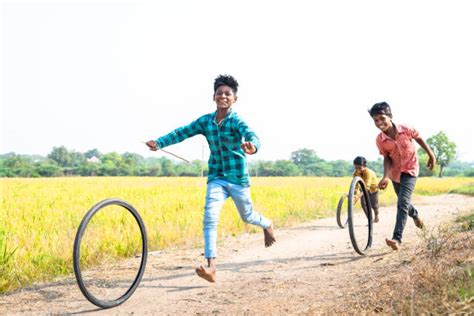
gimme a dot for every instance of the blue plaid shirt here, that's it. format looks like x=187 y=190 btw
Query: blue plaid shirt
x=227 y=160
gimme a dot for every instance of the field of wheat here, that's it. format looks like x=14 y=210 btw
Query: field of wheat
x=39 y=217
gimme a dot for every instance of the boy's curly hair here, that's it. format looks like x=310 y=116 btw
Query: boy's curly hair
x=226 y=80
x=381 y=108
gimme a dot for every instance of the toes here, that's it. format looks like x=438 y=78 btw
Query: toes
x=392 y=244
x=201 y=270
x=268 y=244
x=269 y=240
x=205 y=274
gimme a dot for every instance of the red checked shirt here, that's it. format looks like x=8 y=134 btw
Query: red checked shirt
x=401 y=151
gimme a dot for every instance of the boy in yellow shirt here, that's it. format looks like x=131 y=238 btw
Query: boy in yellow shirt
x=371 y=183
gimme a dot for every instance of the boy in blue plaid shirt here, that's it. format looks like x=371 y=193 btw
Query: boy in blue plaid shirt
x=228 y=172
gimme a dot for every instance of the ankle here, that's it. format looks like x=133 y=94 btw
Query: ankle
x=211 y=263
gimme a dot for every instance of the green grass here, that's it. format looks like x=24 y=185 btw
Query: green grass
x=466 y=285
x=466 y=221
x=466 y=189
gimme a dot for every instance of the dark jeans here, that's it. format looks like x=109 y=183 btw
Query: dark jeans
x=404 y=190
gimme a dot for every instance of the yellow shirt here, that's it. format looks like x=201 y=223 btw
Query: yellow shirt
x=370 y=179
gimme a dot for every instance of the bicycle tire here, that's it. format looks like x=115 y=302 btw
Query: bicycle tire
x=357 y=248
x=77 y=254
x=339 y=212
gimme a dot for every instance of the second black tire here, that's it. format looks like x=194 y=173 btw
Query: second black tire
x=341 y=216
x=358 y=182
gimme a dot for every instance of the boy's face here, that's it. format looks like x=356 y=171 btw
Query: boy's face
x=382 y=122
x=224 y=97
x=359 y=168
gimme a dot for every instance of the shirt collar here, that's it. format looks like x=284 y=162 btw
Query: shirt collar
x=229 y=115
x=399 y=130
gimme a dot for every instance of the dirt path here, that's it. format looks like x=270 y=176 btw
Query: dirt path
x=311 y=269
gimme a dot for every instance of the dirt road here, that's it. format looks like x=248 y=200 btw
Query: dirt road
x=311 y=269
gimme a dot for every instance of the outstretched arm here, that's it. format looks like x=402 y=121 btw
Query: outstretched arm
x=176 y=136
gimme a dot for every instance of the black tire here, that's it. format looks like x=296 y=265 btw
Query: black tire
x=77 y=255
x=340 y=221
x=357 y=248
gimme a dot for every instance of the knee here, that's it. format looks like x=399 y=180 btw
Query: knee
x=209 y=221
x=245 y=218
x=248 y=217
x=403 y=205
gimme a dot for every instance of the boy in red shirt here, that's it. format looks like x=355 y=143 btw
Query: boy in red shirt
x=400 y=163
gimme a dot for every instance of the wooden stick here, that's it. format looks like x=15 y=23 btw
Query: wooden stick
x=170 y=153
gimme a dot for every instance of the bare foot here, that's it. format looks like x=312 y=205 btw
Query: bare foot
x=376 y=219
x=418 y=222
x=392 y=243
x=208 y=274
x=269 y=237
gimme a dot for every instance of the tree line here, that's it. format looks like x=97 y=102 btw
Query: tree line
x=63 y=162
x=303 y=162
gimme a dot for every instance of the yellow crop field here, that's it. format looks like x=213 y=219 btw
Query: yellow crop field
x=39 y=217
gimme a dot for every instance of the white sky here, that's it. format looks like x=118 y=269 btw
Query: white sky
x=109 y=74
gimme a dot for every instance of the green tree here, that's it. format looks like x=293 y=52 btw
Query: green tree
x=167 y=167
x=443 y=149
x=304 y=157
x=319 y=169
x=308 y=162
x=469 y=173
x=200 y=167
x=423 y=160
x=18 y=166
x=77 y=160
x=264 y=168
x=151 y=167
x=92 y=153
x=285 y=168
x=110 y=164
x=341 y=168
x=458 y=168
x=89 y=169
x=130 y=164
x=14 y=161
x=61 y=156
x=376 y=166
x=184 y=169
x=48 y=168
